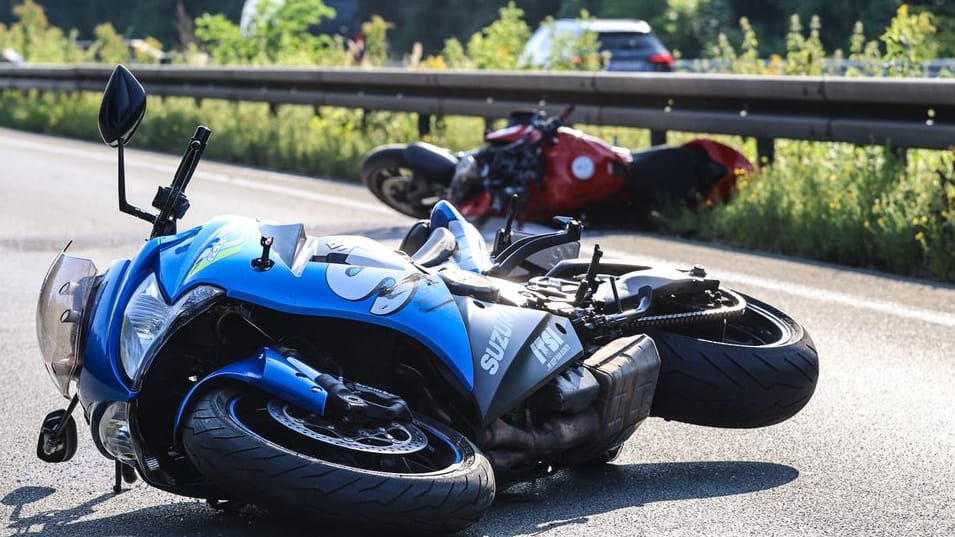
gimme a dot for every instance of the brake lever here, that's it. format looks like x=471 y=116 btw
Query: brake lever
x=172 y=198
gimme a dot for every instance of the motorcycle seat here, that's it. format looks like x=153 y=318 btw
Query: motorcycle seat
x=437 y=249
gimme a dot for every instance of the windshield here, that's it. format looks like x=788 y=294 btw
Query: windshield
x=59 y=317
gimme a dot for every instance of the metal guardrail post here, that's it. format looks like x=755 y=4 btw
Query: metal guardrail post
x=766 y=151
x=658 y=137
x=424 y=125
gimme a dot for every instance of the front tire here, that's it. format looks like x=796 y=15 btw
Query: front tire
x=388 y=176
x=445 y=487
x=761 y=372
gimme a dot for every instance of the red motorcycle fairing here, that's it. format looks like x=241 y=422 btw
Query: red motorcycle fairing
x=512 y=133
x=735 y=163
x=581 y=170
x=477 y=206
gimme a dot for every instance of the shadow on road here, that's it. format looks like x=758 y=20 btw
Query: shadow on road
x=567 y=498
x=572 y=497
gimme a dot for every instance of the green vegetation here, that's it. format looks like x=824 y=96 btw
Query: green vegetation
x=689 y=27
x=278 y=33
x=865 y=206
x=862 y=206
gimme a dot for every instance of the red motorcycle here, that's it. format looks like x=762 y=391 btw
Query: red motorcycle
x=553 y=170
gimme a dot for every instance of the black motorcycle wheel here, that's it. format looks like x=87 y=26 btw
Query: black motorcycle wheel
x=386 y=174
x=232 y=437
x=762 y=371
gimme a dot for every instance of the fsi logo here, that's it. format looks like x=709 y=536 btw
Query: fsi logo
x=546 y=345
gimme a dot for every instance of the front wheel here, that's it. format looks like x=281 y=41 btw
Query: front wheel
x=417 y=475
x=390 y=178
x=754 y=370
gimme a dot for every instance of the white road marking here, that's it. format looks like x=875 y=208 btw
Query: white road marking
x=298 y=193
x=794 y=289
x=815 y=293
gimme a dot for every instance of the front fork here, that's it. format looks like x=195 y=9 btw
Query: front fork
x=279 y=372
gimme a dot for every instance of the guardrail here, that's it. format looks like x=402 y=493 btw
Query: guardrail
x=904 y=113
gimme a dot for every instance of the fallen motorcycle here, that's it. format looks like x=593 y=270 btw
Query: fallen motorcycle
x=342 y=381
x=554 y=170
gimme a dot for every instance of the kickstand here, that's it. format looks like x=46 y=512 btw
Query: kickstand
x=124 y=472
x=118 y=484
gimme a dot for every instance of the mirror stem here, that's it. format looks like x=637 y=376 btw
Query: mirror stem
x=124 y=206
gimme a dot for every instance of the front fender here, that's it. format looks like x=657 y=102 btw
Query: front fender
x=270 y=372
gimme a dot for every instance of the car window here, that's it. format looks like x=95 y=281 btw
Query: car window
x=630 y=42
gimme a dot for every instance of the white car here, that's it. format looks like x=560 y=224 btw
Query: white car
x=630 y=43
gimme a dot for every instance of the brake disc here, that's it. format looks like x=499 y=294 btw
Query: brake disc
x=391 y=439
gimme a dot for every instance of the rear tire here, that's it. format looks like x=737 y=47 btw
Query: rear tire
x=763 y=372
x=232 y=443
x=388 y=176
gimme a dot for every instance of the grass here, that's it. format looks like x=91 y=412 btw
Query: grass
x=860 y=206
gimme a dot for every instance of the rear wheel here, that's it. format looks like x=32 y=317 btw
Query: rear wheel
x=388 y=176
x=756 y=369
x=415 y=475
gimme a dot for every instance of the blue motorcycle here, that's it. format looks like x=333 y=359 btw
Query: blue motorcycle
x=341 y=380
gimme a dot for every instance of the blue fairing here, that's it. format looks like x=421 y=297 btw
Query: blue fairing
x=471 y=253
x=345 y=277
x=101 y=379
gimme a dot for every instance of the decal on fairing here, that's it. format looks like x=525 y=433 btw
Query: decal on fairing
x=503 y=341
x=358 y=283
x=549 y=348
x=226 y=242
x=497 y=342
x=394 y=298
x=582 y=167
x=334 y=246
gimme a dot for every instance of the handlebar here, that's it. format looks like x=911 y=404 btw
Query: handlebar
x=550 y=125
x=171 y=201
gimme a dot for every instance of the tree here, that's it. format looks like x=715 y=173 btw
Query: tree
x=944 y=13
x=132 y=19
x=499 y=45
x=278 y=33
x=909 y=41
x=770 y=17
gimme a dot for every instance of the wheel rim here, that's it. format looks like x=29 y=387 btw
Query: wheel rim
x=404 y=193
x=437 y=454
x=757 y=328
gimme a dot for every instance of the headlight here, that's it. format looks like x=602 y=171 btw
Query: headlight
x=114 y=432
x=148 y=319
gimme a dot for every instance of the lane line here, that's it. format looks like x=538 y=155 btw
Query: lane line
x=794 y=289
x=815 y=293
x=299 y=193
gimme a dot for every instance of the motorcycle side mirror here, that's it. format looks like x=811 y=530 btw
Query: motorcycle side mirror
x=120 y=113
x=122 y=108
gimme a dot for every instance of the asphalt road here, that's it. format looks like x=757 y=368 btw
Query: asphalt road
x=872 y=454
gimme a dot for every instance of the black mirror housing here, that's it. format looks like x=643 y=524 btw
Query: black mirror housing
x=122 y=109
